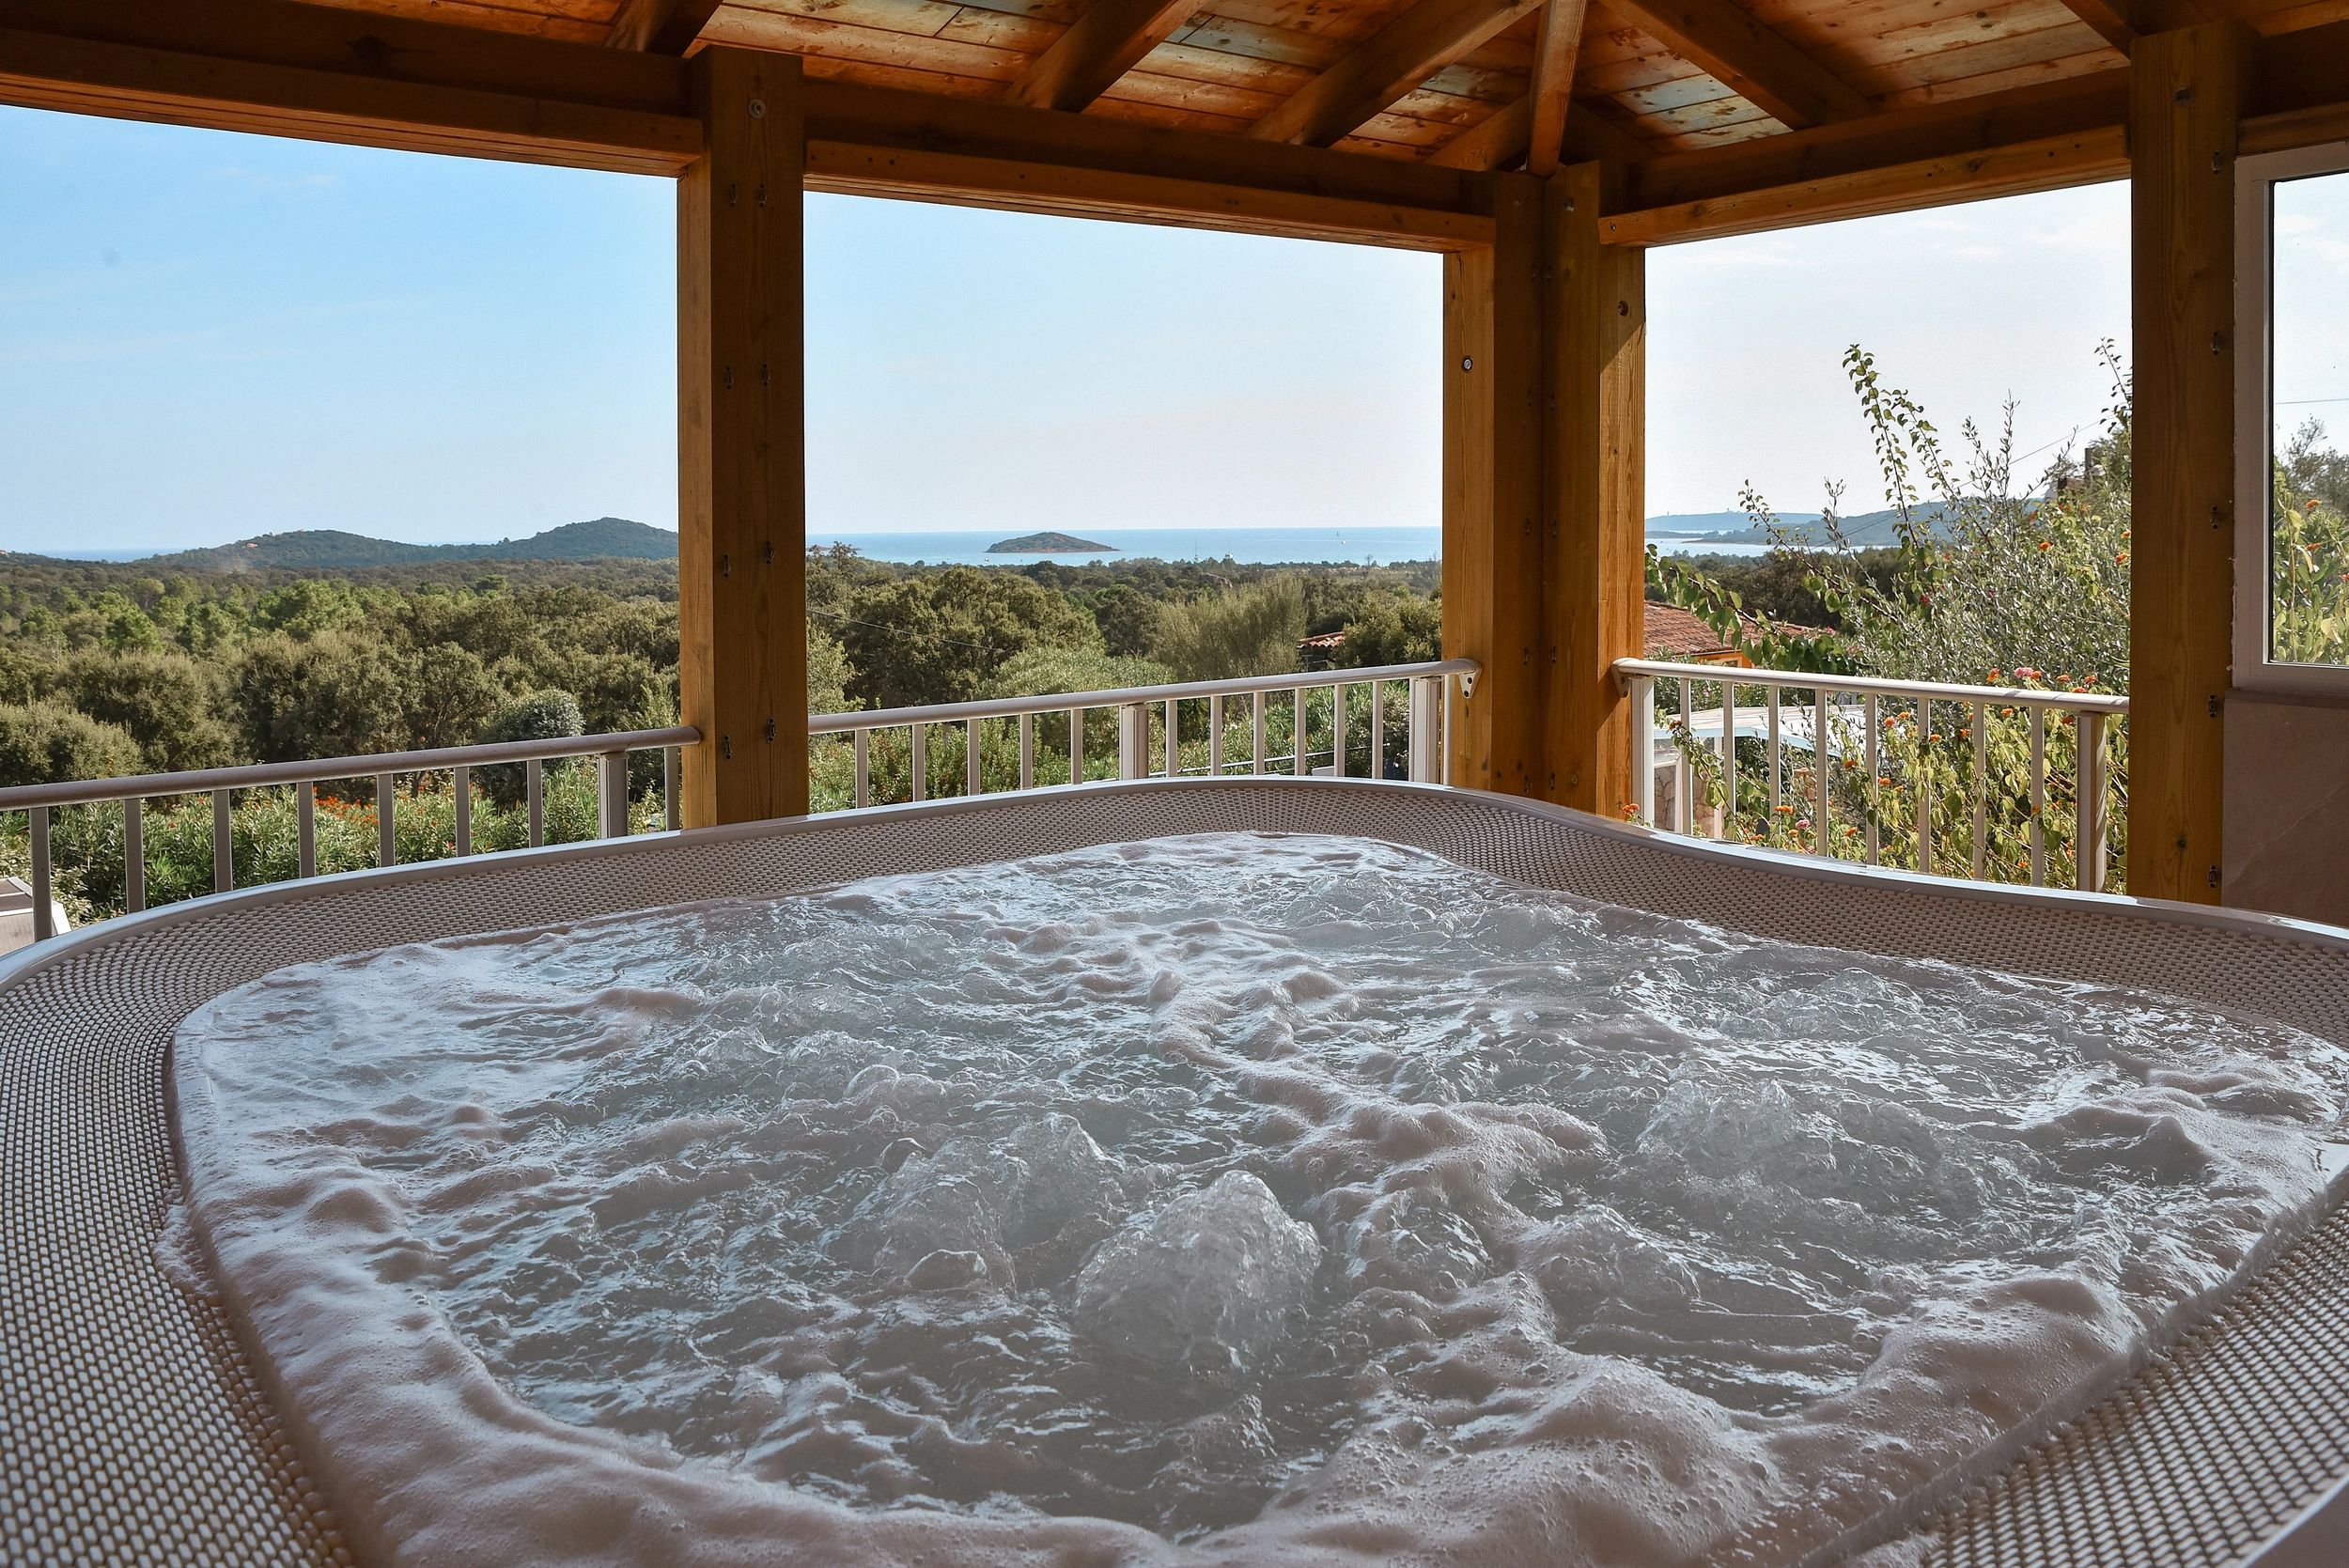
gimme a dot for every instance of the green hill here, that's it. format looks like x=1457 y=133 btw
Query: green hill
x=330 y=550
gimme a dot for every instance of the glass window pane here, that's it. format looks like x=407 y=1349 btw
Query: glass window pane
x=2309 y=524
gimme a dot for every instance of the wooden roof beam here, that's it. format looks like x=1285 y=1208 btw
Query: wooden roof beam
x=1752 y=60
x=1101 y=46
x=2035 y=138
x=1386 y=66
x=1501 y=137
x=334 y=75
x=1556 y=54
x=660 y=26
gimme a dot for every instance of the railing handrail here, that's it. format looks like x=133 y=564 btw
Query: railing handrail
x=1061 y=702
x=1738 y=674
x=202 y=781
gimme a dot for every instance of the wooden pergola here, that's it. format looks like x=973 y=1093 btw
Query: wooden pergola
x=1540 y=145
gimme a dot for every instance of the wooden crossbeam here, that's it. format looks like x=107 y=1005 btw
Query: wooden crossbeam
x=892 y=142
x=2052 y=164
x=1101 y=46
x=1752 y=60
x=326 y=74
x=1389 y=64
x=2114 y=20
x=1556 y=54
x=660 y=26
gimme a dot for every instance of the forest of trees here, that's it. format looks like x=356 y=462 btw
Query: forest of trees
x=113 y=669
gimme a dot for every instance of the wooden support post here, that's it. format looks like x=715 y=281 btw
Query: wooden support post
x=1596 y=549
x=1493 y=531
x=742 y=460
x=2186 y=93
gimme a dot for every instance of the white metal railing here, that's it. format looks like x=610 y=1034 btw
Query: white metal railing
x=1423 y=719
x=1210 y=702
x=610 y=750
x=1846 y=719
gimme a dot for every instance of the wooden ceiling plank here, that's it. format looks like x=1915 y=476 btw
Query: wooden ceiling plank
x=1555 y=58
x=660 y=26
x=1492 y=143
x=1102 y=45
x=2114 y=20
x=1393 y=60
x=1763 y=67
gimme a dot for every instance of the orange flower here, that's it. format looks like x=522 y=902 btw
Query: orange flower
x=2046 y=544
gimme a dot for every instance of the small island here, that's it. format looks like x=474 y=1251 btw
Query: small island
x=1046 y=543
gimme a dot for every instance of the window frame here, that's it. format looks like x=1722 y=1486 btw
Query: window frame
x=2256 y=178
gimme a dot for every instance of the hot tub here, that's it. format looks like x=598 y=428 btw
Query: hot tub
x=136 y=1430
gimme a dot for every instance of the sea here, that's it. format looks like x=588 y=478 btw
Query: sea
x=1368 y=546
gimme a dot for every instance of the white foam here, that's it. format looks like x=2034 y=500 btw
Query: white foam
x=1217 y=1200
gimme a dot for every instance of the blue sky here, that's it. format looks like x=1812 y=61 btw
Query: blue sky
x=204 y=337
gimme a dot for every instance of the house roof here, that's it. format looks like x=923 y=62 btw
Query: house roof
x=1671 y=632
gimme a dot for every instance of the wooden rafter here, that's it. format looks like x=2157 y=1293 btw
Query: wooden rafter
x=1100 y=47
x=1500 y=138
x=1555 y=54
x=1389 y=64
x=1752 y=60
x=660 y=26
x=2114 y=20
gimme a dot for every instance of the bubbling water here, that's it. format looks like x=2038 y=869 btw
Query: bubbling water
x=1244 y=1189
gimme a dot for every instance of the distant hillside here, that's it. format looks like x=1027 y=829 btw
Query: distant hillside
x=1680 y=525
x=329 y=549
x=1866 y=531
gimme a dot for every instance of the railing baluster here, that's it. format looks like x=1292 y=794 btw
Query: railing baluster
x=1297 y=768
x=970 y=756
x=133 y=855
x=223 y=845
x=44 y=918
x=1076 y=745
x=305 y=828
x=1924 y=785
x=2038 y=796
x=2088 y=844
x=1256 y=701
x=1337 y=732
x=1775 y=756
x=1821 y=785
x=386 y=840
x=1684 y=765
x=534 y=801
x=460 y=796
x=611 y=795
x=1443 y=731
x=1981 y=787
x=1729 y=761
x=1133 y=740
x=670 y=813
x=1377 y=732
x=921 y=761
x=1426 y=738
x=1027 y=751
x=1171 y=759
x=864 y=768
x=1870 y=719
x=1643 y=700
x=1215 y=735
